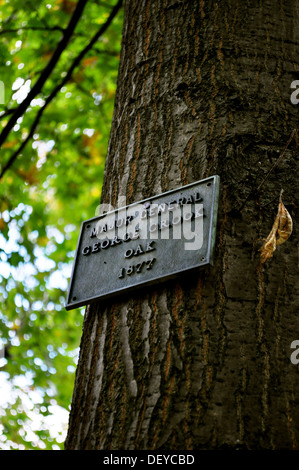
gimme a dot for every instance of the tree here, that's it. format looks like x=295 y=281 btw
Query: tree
x=202 y=362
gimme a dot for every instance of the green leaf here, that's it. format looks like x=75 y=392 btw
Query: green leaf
x=51 y=188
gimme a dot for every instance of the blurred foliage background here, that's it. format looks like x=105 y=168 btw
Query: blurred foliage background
x=56 y=152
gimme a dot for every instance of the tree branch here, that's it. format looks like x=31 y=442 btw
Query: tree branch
x=32 y=28
x=106 y=51
x=75 y=64
x=7 y=112
x=46 y=72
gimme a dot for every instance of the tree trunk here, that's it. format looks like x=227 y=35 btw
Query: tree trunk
x=202 y=362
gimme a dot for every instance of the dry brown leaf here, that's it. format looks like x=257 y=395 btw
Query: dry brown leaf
x=281 y=230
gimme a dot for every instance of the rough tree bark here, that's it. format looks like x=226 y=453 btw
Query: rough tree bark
x=202 y=362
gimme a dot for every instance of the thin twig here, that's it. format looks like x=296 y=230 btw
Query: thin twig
x=48 y=100
x=32 y=28
x=35 y=90
x=7 y=112
x=271 y=169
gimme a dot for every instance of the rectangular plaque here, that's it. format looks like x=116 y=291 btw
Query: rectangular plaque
x=144 y=243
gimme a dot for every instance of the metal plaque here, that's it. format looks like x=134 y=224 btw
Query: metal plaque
x=144 y=243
